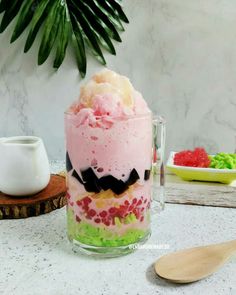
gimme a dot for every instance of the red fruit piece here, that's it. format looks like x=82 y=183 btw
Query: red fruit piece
x=91 y=213
x=122 y=212
x=103 y=213
x=142 y=218
x=139 y=203
x=195 y=158
x=86 y=208
x=106 y=222
x=97 y=220
x=112 y=210
x=86 y=200
x=85 y=203
x=79 y=203
x=134 y=201
x=131 y=208
x=109 y=218
x=126 y=203
x=136 y=213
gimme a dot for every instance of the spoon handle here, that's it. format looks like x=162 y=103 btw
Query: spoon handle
x=230 y=247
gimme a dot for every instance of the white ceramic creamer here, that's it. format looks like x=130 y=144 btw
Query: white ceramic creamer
x=24 y=165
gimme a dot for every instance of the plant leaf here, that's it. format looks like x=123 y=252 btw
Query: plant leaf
x=9 y=14
x=25 y=15
x=110 y=28
x=89 y=33
x=89 y=24
x=108 y=8
x=4 y=6
x=64 y=35
x=116 y=5
x=78 y=43
x=111 y=13
x=93 y=20
x=50 y=32
x=38 y=18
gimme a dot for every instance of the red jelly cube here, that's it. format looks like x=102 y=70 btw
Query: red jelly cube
x=97 y=220
x=103 y=213
x=91 y=213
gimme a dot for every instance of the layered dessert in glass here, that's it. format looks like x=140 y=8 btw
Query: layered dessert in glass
x=108 y=161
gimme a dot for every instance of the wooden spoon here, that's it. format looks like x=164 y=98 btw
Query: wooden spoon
x=194 y=264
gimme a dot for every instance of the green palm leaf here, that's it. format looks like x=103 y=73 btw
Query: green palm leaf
x=118 y=8
x=113 y=15
x=38 y=19
x=25 y=15
x=104 y=20
x=93 y=23
x=92 y=38
x=78 y=43
x=11 y=11
x=50 y=32
x=64 y=36
x=4 y=4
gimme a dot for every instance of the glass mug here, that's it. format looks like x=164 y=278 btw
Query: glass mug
x=110 y=182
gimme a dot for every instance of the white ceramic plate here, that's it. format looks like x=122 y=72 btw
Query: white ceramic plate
x=201 y=174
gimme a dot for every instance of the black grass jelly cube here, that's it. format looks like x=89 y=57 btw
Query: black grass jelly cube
x=69 y=166
x=133 y=177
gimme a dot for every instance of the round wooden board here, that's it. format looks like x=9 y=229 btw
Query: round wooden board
x=51 y=198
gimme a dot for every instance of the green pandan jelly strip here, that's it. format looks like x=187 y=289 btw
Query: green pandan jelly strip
x=117 y=222
x=105 y=238
x=223 y=161
x=99 y=236
x=133 y=217
x=130 y=218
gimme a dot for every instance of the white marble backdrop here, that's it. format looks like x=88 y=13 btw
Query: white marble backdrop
x=181 y=54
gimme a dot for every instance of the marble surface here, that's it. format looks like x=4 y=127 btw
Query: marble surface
x=36 y=257
x=180 y=54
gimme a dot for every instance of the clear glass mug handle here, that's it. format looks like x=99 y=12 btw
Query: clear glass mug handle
x=158 y=169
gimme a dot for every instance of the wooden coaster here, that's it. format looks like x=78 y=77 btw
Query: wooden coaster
x=51 y=198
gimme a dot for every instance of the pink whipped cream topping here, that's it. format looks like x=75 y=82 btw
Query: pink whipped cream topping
x=108 y=96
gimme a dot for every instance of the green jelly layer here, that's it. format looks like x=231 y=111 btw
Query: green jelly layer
x=99 y=236
x=223 y=161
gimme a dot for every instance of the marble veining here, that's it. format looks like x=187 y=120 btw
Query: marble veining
x=15 y=116
x=180 y=54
